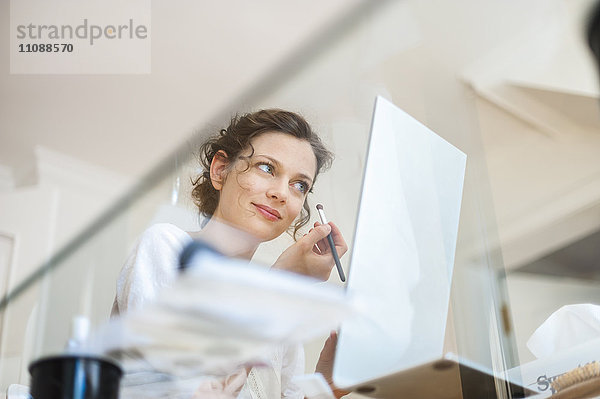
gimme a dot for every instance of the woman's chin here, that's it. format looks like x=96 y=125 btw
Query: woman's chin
x=266 y=236
x=265 y=233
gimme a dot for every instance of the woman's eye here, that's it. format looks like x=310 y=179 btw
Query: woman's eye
x=302 y=187
x=266 y=168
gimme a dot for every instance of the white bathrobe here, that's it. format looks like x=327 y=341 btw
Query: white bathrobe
x=153 y=264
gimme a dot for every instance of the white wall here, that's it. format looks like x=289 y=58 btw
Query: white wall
x=30 y=223
x=39 y=220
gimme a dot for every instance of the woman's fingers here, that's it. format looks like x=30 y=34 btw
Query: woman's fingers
x=324 y=245
x=338 y=239
x=325 y=364
x=315 y=235
x=317 y=250
x=311 y=255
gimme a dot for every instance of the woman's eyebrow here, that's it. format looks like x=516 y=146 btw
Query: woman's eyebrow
x=278 y=164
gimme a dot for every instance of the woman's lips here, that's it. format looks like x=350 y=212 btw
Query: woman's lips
x=268 y=212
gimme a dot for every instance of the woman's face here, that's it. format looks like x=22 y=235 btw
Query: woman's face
x=266 y=198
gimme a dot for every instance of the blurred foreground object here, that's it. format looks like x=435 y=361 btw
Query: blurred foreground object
x=593 y=32
x=219 y=314
x=568 y=340
x=580 y=383
x=74 y=376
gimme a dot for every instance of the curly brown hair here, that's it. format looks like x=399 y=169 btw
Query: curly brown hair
x=237 y=137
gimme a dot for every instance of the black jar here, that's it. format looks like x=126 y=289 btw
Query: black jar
x=74 y=377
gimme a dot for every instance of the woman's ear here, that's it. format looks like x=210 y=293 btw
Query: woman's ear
x=218 y=169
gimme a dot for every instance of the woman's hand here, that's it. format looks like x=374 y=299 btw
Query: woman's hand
x=227 y=387
x=311 y=254
x=325 y=364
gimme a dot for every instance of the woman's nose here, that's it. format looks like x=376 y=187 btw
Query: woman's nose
x=278 y=190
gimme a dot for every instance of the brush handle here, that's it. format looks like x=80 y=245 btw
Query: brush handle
x=336 y=258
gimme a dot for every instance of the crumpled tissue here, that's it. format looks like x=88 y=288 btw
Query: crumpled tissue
x=569 y=326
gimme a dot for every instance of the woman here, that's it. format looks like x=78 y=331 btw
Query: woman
x=258 y=173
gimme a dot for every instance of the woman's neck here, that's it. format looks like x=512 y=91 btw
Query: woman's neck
x=227 y=239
